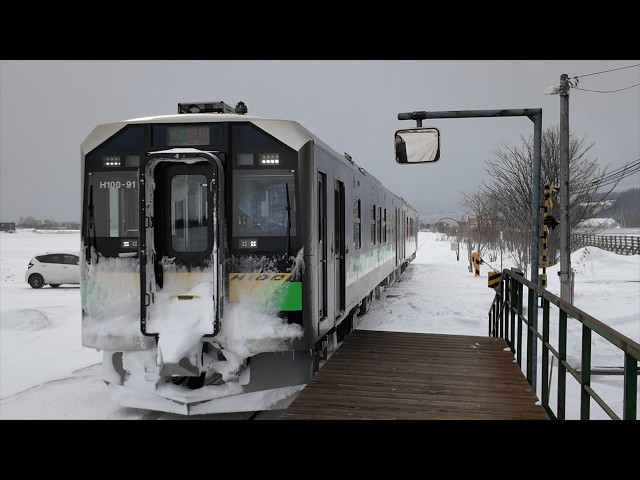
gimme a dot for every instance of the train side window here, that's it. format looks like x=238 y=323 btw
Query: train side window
x=378 y=224
x=384 y=225
x=373 y=225
x=356 y=225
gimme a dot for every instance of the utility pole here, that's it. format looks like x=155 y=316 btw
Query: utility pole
x=565 y=231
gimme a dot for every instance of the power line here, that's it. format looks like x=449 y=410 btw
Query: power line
x=606 y=91
x=622 y=169
x=607 y=71
x=620 y=173
x=577 y=81
x=624 y=172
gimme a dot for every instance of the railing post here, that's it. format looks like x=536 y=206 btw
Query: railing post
x=503 y=285
x=562 y=369
x=630 y=387
x=546 y=376
x=519 y=295
x=513 y=287
x=585 y=381
x=531 y=338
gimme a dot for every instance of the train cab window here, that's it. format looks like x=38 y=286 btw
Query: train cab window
x=113 y=196
x=189 y=215
x=261 y=199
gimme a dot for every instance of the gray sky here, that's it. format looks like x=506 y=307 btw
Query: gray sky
x=48 y=107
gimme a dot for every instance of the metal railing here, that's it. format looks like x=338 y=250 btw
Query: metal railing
x=509 y=320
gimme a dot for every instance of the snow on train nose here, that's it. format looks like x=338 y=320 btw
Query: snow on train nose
x=184 y=319
x=185 y=367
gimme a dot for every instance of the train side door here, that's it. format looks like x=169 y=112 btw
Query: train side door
x=403 y=237
x=339 y=247
x=397 y=235
x=322 y=246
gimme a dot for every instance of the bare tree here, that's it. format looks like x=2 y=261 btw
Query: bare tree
x=481 y=234
x=495 y=229
x=506 y=191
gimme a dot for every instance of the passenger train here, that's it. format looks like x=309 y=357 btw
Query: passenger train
x=225 y=256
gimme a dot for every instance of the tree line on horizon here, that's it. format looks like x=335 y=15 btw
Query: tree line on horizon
x=48 y=224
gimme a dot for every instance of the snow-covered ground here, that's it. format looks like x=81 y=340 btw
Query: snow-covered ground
x=46 y=373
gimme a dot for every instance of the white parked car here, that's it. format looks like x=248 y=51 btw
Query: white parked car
x=54 y=269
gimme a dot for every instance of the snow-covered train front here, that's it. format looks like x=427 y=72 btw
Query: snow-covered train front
x=225 y=254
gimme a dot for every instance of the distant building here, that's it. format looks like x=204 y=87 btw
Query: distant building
x=592 y=224
x=7 y=226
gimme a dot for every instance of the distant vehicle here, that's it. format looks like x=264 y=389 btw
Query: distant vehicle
x=8 y=227
x=53 y=269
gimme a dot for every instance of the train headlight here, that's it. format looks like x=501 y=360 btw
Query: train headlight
x=269 y=159
x=248 y=243
x=130 y=161
x=111 y=161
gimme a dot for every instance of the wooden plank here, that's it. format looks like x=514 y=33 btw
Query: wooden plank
x=411 y=376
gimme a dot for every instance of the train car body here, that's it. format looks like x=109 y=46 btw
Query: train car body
x=224 y=255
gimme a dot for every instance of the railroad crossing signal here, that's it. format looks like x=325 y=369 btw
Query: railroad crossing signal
x=549 y=223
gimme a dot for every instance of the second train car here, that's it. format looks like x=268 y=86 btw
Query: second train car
x=225 y=255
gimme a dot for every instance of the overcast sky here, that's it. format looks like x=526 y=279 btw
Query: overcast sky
x=48 y=107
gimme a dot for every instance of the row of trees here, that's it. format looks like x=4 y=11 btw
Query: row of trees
x=625 y=208
x=502 y=206
x=48 y=224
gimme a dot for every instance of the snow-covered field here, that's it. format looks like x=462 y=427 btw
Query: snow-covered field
x=46 y=373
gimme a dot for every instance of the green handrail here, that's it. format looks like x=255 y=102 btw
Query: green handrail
x=509 y=298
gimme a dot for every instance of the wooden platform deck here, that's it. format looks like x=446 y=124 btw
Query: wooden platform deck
x=376 y=375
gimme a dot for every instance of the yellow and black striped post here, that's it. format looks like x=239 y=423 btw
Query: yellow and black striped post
x=494 y=279
x=476 y=263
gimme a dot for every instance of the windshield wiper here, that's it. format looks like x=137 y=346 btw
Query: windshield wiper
x=288 y=221
x=92 y=227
